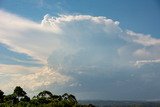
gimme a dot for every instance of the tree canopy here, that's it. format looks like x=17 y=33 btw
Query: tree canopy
x=45 y=98
x=19 y=92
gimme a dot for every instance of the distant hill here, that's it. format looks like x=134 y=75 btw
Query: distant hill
x=102 y=103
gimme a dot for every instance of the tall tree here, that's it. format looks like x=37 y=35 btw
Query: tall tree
x=19 y=92
x=70 y=98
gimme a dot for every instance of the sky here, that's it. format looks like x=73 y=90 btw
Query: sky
x=94 y=49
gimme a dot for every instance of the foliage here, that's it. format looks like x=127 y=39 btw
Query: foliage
x=19 y=92
x=1 y=96
x=11 y=99
x=45 y=98
x=25 y=99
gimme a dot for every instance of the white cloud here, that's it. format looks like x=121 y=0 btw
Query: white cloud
x=29 y=77
x=140 y=63
x=141 y=49
x=80 y=34
x=142 y=39
x=19 y=34
x=62 y=21
x=15 y=69
x=42 y=77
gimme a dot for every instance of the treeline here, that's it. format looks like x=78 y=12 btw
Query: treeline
x=45 y=98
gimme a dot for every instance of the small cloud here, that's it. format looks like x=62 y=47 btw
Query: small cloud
x=143 y=62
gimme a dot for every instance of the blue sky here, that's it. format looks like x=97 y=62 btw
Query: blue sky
x=95 y=49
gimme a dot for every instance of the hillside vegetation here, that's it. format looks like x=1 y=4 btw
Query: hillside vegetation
x=45 y=98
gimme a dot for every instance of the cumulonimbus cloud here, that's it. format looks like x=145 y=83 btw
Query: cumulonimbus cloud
x=74 y=45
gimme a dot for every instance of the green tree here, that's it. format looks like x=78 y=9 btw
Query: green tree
x=25 y=99
x=46 y=94
x=57 y=97
x=70 y=99
x=19 y=92
x=43 y=99
x=1 y=96
x=11 y=98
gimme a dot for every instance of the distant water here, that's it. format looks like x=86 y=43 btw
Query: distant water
x=101 y=103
